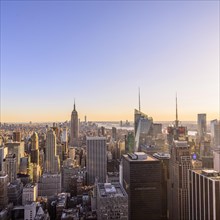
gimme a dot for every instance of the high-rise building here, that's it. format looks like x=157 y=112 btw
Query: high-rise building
x=114 y=133
x=3 y=153
x=16 y=136
x=112 y=201
x=143 y=129
x=30 y=211
x=10 y=167
x=141 y=178
x=176 y=131
x=74 y=128
x=3 y=191
x=180 y=162
x=16 y=148
x=96 y=162
x=217 y=135
x=164 y=159
x=216 y=159
x=35 y=157
x=30 y=193
x=129 y=142
x=52 y=164
x=49 y=184
x=201 y=122
x=212 y=125
x=204 y=194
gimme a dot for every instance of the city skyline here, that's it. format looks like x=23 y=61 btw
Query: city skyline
x=100 y=53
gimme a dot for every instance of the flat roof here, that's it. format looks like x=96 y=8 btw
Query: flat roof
x=107 y=190
x=147 y=158
x=95 y=138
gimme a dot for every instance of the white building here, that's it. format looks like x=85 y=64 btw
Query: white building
x=30 y=193
x=30 y=211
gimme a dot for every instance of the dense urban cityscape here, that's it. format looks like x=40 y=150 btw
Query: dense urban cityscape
x=135 y=170
x=109 y=110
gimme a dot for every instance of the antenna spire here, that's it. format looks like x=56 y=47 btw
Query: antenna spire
x=74 y=106
x=139 y=99
x=176 y=113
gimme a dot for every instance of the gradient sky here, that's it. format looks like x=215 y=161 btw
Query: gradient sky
x=100 y=53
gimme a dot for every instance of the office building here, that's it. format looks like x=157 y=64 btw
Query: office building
x=176 y=132
x=16 y=137
x=35 y=149
x=112 y=201
x=10 y=167
x=96 y=159
x=216 y=159
x=74 y=128
x=202 y=127
x=30 y=211
x=35 y=158
x=204 y=194
x=114 y=133
x=15 y=192
x=3 y=191
x=49 y=184
x=30 y=193
x=180 y=162
x=3 y=153
x=16 y=148
x=143 y=129
x=52 y=164
x=141 y=178
x=164 y=159
x=216 y=141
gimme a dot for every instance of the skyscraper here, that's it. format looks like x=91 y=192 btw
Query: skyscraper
x=10 y=167
x=52 y=164
x=143 y=129
x=180 y=162
x=201 y=121
x=3 y=190
x=35 y=149
x=96 y=161
x=141 y=178
x=204 y=194
x=74 y=128
x=176 y=131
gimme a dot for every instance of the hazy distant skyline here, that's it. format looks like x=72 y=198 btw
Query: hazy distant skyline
x=100 y=53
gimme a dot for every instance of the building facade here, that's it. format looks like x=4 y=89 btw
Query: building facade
x=96 y=159
x=74 y=128
x=204 y=194
x=180 y=162
x=141 y=179
x=52 y=163
x=112 y=201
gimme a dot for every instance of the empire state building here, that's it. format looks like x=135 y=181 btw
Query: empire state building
x=74 y=128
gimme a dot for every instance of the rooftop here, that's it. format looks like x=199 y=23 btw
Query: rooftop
x=139 y=156
x=108 y=190
x=95 y=138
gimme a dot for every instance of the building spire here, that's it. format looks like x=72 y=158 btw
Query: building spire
x=176 y=121
x=74 y=106
x=139 y=98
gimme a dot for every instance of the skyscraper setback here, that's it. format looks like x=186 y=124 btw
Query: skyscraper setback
x=74 y=128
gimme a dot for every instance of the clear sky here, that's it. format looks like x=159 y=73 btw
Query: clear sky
x=100 y=52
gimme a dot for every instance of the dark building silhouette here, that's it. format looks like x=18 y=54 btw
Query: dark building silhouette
x=141 y=178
